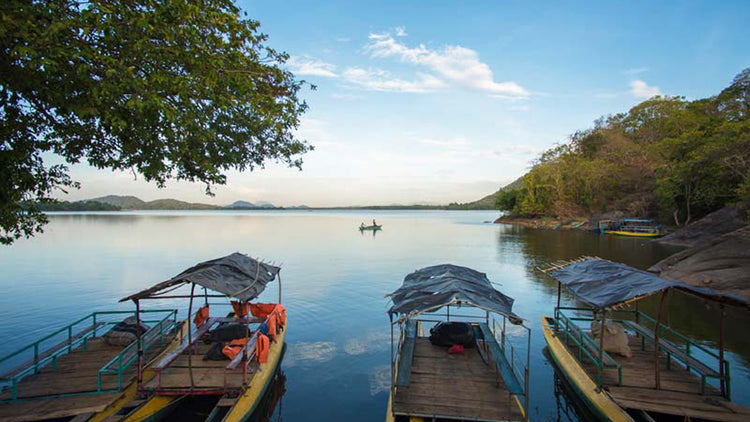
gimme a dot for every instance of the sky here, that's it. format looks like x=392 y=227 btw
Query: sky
x=431 y=102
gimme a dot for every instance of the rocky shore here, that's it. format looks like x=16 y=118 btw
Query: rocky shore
x=717 y=253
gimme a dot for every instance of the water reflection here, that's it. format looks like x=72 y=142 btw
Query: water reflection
x=334 y=279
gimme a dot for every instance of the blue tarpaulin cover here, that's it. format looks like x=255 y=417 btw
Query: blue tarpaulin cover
x=603 y=284
x=431 y=288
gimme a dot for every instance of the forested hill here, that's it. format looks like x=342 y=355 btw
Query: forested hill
x=667 y=157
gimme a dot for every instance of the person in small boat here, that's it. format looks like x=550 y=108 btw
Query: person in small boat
x=374 y=223
x=361 y=225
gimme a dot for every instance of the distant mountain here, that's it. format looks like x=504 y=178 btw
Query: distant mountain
x=174 y=204
x=241 y=204
x=133 y=203
x=246 y=204
x=124 y=202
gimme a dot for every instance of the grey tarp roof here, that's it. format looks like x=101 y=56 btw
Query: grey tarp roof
x=603 y=284
x=433 y=287
x=236 y=275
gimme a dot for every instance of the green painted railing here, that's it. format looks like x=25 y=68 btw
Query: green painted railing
x=570 y=326
x=118 y=364
x=40 y=354
x=669 y=334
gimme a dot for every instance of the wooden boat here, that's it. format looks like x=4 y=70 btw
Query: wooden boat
x=632 y=227
x=75 y=374
x=482 y=383
x=666 y=374
x=239 y=384
x=373 y=227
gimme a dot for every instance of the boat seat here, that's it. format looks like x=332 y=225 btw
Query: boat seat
x=406 y=354
x=501 y=363
x=672 y=350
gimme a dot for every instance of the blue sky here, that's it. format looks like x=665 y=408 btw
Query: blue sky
x=434 y=102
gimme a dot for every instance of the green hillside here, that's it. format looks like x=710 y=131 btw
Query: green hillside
x=667 y=157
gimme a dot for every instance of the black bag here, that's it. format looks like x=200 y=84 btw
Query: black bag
x=228 y=332
x=215 y=352
x=449 y=333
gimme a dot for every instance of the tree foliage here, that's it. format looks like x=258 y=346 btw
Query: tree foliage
x=171 y=89
x=665 y=157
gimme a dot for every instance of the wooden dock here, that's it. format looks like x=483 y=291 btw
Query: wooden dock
x=68 y=385
x=454 y=387
x=679 y=393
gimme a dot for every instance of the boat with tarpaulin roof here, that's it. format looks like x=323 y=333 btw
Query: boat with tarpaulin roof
x=484 y=382
x=627 y=365
x=231 y=358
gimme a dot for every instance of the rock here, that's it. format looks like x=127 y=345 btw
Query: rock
x=725 y=220
x=721 y=263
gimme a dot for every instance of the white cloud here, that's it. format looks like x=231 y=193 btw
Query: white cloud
x=310 y=66
x=381 y=80
x=636 y=70
x=640 y=89
x=341 y=39
x=401 y=31
x=454 y=65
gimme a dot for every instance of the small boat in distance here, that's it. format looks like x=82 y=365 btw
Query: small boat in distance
x=372 y=227
x=462 y=371
x=626 y=365
x=633 y=227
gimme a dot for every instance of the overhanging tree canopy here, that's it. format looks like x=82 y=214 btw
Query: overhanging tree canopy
x=168 y=89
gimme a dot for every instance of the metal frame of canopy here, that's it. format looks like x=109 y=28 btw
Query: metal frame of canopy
x=161 y=290
x=617 y=306
x=455 y=301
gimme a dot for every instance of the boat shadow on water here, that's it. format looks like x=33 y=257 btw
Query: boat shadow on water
x=198 y=409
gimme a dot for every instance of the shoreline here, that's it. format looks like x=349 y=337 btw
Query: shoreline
x=549 y=223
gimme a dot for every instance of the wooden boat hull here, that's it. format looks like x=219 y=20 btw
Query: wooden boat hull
x=598 y=402
x=158 y=407
x=631 y=234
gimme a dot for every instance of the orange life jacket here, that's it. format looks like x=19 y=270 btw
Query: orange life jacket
x=262 y=347
x=234 y=347
x=239 y=310
x=281 y=311
x=262 y=310
x=273 y=326
x=201 y=316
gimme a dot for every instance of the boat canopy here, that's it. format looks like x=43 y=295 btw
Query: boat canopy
x=236 y=275
x=605 y=284
x=431 y=288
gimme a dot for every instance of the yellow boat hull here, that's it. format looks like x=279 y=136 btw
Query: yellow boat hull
x=631 y=234
x=251 y=397
x=596 y=400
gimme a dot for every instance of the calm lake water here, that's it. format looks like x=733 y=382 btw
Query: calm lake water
x=333 y=281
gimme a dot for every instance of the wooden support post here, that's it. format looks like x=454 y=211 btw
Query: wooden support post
x=557 y=309
x=243 y=306
x=601 y=348
x=656 y=338
x=279 y=276
x=139 y=350
x=723 y=381
x=190 y=337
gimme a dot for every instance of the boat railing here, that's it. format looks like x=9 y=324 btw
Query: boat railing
x=48 y=349
x=118 y=364
x=689 y=347
x=584 y=342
